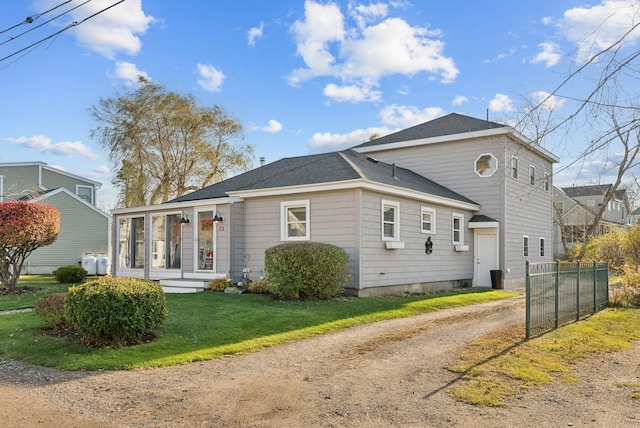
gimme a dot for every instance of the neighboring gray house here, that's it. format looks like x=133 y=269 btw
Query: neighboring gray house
x=83 y=227
x=635 y=215
x=478 y=192
x=576 y=208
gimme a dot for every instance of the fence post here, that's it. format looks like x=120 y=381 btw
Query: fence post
x=527 y=301
x=578 y=290
x=557 y=297
x=607 y=287
x=595 y=289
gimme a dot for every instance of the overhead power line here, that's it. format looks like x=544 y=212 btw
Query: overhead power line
x=45 y=22
x=73 y=24
x=31 y=19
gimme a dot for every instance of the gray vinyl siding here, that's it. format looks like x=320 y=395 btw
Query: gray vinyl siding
x=385 y=267
x=53 y=180
x=452 y=164
x=19 y=181
x=236 y=224
x=188 y=243
x=521 y=209
x=82 y=230
x=528 y=212
x=331 y=220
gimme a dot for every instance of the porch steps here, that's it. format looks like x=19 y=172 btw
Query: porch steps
x=183 y=285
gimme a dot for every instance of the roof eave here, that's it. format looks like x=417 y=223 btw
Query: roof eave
x=505 y=130
x=173 y=205
x=354 y=184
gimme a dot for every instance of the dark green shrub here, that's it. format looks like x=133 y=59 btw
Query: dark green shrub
x=115 y=311
x=306 y=270
x=70 y=274
x=51 y=309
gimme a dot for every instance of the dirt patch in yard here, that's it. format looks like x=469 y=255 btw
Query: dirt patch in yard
x=391 y=373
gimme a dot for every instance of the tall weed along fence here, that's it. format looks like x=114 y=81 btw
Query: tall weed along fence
x=562 y=292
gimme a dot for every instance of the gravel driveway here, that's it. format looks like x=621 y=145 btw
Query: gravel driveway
x=390 y=373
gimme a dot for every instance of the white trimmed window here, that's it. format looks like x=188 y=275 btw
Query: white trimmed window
x=541 y=247
x=514 y=167
x=427 y=220
x=295 y=221
x=85 y=192
x=525 y=246
x=131 y=242
x=457 y=233
x=390 y=221
x=546 y=182
x=532 y=175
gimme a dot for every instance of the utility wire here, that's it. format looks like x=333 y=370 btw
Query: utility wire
x=73 y=24
x=30 y=19
x=44 y=23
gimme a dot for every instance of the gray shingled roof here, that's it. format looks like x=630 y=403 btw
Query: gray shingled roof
x=450 y=124
x=323 y=168
x=591 y=190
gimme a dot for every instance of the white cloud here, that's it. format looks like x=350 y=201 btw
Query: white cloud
x=459 y=100
x=40 y=143
x=365 y=14
x=114 y=30
x=594 y=28
x=273 y=127
x=501 y=103
x=361 y=55
x=353 y=93
x=210 y=78
x=323 y=24
x=406 y=116
x=328 y=142
x=394 y=47
x=129 y=73
x=254 y=33
x=549 y=102
x=548 y=55
x=102 y=170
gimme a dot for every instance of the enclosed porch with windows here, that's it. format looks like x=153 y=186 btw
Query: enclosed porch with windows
x=177 y=246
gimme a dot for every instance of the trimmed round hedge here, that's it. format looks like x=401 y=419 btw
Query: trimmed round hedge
x=70 y=274
x=306 y=270
x=115 y=311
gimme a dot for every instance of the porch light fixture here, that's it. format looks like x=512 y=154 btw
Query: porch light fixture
x=184 y=219
x=218 y=217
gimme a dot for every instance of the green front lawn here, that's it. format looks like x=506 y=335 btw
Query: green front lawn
x=46 y=283
x=208 y=325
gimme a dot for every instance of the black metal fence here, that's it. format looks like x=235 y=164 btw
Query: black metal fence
x=562 y=292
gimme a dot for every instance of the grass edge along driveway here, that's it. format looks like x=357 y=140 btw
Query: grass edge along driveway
x=208 y=325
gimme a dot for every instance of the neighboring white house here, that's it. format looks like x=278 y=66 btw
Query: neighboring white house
x=477 y=192
x=83 y=227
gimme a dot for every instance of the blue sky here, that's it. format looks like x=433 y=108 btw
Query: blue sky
x=302 y=77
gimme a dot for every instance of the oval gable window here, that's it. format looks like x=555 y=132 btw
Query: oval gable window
x=486 y=165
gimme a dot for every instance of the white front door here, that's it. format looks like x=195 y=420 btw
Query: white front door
x=486 y=256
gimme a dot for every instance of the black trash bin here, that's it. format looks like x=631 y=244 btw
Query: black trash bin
x=496 y=279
